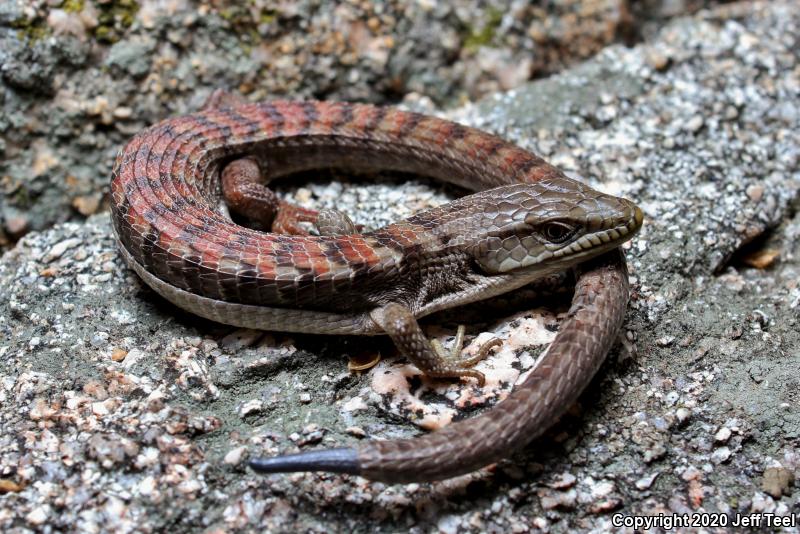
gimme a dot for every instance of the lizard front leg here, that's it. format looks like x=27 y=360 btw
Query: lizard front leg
x=430 y=357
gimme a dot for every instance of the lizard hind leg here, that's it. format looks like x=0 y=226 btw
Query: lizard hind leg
x=429 y=356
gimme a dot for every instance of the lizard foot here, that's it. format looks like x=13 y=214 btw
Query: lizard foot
x=452 y=362
x=454 y=355
x=429 y=356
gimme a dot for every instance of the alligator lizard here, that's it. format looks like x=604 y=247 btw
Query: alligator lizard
x=526 y=220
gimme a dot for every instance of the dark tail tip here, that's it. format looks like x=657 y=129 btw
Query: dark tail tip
x=331 y=460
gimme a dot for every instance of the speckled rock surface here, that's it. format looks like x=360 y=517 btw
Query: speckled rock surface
x=121 y=413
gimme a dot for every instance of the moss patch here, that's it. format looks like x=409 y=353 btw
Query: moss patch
x=31 y=30
x=73 y=6
x=477 y=37
x=112 y=18
x=244 y=20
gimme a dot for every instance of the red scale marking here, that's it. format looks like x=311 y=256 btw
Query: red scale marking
x=293 y=116
x=138 y=204
x=167 y=237
x=429 y=130
x=266 y=124
x=185 y=124
x=317 y=259
x=137 y=220
x=362 y=116
x=365 y=252
x=328 y=114
x=423 y=131
x=513 y=157
x=393 y=122
x=239 y=129
x=265 y=267
x=440 y=132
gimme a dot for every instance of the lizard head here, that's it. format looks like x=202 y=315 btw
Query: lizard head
x=548 y=226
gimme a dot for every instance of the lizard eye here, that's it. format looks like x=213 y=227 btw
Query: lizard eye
x=558 y=232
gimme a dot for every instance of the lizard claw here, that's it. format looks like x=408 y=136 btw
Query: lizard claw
x=458 y=366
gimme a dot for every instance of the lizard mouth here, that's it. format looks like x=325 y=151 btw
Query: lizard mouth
x=604 y=239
